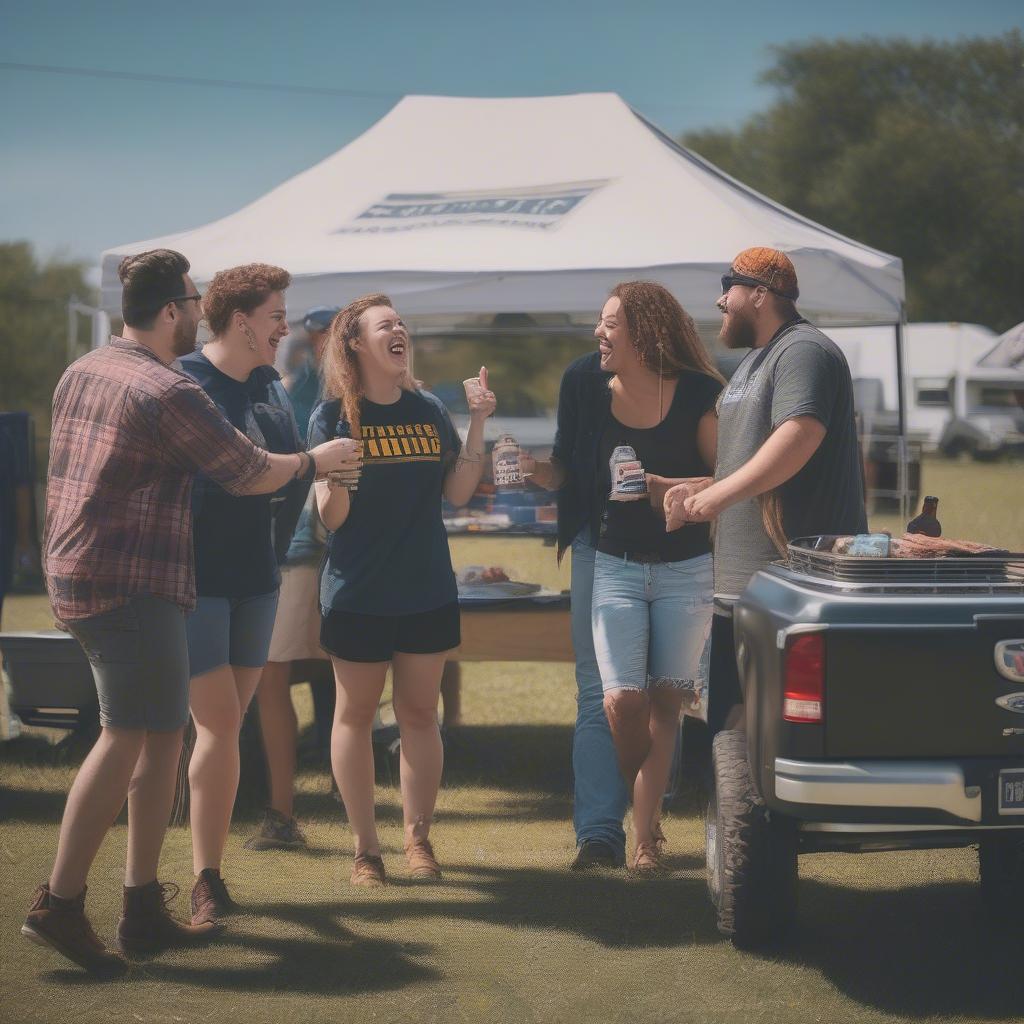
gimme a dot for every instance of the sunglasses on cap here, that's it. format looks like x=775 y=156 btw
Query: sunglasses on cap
x=728 y=280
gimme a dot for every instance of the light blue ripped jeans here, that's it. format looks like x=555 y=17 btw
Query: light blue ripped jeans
x=651 y=625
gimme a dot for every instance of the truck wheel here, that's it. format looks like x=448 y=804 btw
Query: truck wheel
x=751 y=854
x=1001 y=866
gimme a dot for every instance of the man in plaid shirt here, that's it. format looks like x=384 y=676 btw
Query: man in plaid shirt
x=129 y=433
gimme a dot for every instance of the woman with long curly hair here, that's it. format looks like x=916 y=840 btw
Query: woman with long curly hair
x=634 y=419
x=388 y=594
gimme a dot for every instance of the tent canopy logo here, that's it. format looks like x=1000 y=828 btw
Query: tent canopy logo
x=540 y=206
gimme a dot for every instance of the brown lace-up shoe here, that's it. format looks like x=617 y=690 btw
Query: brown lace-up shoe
x=148 y=926
x=419 y=855
x=211 y=901
x=368 y=871
x=62 y=925
x=646 y=860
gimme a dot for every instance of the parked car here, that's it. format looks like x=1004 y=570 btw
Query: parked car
x=883 y=710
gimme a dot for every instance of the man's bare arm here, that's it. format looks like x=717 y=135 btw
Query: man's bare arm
x=779 y=459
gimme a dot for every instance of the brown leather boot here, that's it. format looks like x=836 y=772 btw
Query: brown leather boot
x=148 y=926
x=210 y=898
x=62 y=925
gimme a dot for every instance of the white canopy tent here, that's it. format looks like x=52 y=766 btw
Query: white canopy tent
x=461 y=206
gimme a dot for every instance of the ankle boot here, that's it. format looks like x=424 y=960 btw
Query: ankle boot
x=62 y=925
x=148 y=926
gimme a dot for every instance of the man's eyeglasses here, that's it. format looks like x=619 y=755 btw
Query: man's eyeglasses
x=187 y=298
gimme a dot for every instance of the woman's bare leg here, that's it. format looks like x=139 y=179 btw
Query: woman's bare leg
x=417 y=688
x=359 y=688
x=652 y=778
x=218 y=700
x=629 y=714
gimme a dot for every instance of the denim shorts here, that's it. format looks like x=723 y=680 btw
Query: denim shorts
x=652 y=625
x=139 y=660
x=230 y=631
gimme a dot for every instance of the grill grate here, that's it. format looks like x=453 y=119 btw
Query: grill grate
x=950 y=575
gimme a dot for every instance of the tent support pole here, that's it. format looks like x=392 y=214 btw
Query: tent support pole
x=901 y=442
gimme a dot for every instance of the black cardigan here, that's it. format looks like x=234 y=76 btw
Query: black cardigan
x=584 y=405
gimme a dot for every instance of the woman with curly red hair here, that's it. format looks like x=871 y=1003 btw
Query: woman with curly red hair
x=236 y=557
x=388 y=593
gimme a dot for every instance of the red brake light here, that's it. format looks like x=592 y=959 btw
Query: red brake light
x=804 y=679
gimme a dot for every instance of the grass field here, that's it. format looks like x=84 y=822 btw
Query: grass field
x=511 y=935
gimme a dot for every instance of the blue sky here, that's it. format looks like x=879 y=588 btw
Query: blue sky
x=91 y=162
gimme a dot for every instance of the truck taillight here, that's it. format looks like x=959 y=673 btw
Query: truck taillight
x=804 y=678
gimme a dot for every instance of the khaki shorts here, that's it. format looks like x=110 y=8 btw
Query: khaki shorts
x=296 y=633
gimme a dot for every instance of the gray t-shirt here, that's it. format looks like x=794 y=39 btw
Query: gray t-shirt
x=799 y=373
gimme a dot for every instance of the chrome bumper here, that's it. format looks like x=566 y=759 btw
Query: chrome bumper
x=918 y=785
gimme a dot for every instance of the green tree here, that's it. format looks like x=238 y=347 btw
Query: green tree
x=916 y=148
x=34 y=327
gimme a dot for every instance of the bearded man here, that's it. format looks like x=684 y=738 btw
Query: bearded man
x=789 y=464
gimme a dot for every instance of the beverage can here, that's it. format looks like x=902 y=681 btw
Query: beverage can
x=629 y=481
x=505 y=460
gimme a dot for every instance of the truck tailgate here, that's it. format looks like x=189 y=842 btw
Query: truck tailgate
x=920 y=692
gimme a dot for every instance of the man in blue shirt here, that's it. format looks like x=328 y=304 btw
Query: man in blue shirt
x=301 y=372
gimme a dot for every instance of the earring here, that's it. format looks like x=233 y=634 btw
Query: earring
x=246 y=330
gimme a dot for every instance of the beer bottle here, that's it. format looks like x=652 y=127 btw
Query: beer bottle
x=926 y=522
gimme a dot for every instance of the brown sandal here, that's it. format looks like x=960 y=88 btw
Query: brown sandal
x=646 y=860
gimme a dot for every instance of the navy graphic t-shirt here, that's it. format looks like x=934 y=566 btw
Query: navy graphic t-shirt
x=390 y=556
x=233 y=535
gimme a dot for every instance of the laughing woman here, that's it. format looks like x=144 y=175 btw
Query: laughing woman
x=237 y=578
x=388 y=593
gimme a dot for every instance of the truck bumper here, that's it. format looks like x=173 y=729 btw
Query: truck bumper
x=916 y=785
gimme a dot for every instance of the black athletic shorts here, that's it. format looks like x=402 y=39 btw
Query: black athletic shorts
x=353 y=636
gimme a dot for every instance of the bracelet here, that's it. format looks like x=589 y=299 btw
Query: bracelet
x=306 y=472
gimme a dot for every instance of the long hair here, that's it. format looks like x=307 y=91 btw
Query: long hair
x=340 y=369
x=664 y=335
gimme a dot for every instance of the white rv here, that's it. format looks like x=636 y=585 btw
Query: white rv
x=955 y=403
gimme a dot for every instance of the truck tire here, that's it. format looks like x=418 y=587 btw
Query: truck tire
x=751 y=853
x=1001 y=867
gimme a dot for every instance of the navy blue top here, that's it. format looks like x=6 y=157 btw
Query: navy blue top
x=390 y=556
x=234 y=542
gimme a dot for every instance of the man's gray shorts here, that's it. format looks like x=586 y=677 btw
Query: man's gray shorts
x=139 y=658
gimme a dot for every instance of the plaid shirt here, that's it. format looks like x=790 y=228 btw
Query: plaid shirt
x=129 y=433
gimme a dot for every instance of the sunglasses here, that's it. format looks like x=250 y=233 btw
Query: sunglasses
x=728 y=280
x=186 y=298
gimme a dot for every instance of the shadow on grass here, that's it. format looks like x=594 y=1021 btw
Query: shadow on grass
x=331 y=961
x=920 y=951
x=608 y=907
